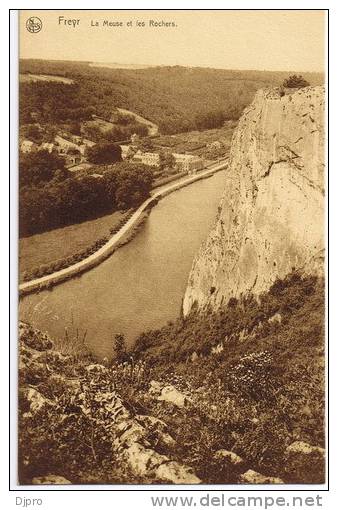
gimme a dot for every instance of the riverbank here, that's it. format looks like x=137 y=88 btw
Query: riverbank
x=50 y=248
x=119 y=237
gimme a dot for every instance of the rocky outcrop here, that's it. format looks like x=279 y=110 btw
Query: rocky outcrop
x=253 y=477
x=271 y=218
x=87 y=397
x=302 y=448
x=307 y=459
x=231 y=457
x=50 y=480
x=171 y=394
x=168 y=393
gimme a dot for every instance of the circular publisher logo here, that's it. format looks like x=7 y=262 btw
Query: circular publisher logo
x=34 y=25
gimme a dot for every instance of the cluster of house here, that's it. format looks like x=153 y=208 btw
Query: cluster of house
x=183 y=162
x=72 y=150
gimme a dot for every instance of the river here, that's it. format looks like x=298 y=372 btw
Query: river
x=142 y=284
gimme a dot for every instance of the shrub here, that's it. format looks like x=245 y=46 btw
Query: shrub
x=120 y=349
x=295 y=82
x=56 y=266
x=251 y=376
x=80 y=445
x=264 y=444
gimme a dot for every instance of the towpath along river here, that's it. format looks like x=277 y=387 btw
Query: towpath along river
x=142 y=285
x=113 y=243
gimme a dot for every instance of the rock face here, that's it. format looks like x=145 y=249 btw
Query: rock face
x=271 y=217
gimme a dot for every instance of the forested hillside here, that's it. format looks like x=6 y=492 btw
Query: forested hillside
x=175 y=98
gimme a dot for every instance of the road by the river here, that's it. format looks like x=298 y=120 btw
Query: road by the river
x=113 y=242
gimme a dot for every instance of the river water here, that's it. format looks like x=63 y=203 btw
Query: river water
x=141 y=286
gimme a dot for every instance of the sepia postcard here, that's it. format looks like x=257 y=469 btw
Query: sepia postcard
x=171 y=248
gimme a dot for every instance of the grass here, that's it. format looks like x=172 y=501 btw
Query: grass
x=60 y=243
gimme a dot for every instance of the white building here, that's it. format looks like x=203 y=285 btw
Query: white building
x=27 y=146
x=64 y=145
x=125 y=151
x=147 y=158
x=214 y=145
x=188 y=162
x=134 y=138
x=46 y=147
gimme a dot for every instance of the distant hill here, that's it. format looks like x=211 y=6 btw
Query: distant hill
x=114 y=65
x=171 y=97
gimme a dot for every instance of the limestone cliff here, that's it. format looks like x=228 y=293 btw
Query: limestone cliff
x=271 y=217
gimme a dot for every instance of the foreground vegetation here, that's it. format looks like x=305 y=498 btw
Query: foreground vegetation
x=267 y=381
x=248 y=378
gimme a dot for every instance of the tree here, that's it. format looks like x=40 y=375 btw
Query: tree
x=167 y=160
x=133 y=184
x=34 y=133
x=65 y=199
x=113 y=134
x=104 y=152
x=40 y=166
x=145 y=144
x=120 y=349
x=210 y=120
x=124 y=118
x=75 y=128
x=295 y=82
x=139 y=129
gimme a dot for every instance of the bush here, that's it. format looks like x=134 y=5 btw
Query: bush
x=120 y=349
x=264 y=444
x=252 y=376
x=295 y=82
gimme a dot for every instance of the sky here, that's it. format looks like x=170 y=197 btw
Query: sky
x=263 y=40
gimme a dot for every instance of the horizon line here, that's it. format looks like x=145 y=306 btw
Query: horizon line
x=172 y=65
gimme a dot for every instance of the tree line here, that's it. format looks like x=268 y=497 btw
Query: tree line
x=172 y=97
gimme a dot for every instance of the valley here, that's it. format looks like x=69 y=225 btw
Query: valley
x=174 y=327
